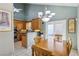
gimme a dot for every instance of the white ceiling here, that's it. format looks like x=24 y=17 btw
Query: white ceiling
x=59 y=4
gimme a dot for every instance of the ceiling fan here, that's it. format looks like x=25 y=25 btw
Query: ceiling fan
x=17 y=10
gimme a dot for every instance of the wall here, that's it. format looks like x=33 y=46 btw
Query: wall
x=78 y=30
x=20 y=15
x=62 y=12
x=73 y=37
x=6 y=38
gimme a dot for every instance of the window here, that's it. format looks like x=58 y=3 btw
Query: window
x=56 y=27
x=50 y=29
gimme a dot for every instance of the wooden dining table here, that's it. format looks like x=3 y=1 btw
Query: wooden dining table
x=56 y=48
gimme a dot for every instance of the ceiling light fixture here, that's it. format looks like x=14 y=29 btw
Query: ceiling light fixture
x=45 y=16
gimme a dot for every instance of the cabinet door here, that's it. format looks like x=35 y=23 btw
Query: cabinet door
x=18 y=24
x=36 y=24
x=24 y=25
x=24 y=40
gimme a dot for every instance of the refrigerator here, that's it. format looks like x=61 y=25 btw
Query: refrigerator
x=30 y=38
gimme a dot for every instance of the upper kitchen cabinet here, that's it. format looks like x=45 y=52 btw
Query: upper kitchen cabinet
x=19 y=24
x=29 y=26
x=36 y=24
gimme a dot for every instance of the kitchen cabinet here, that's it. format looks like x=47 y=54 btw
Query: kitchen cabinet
x=24 y=40
x=19 y=24
x=36 y=24
x=21 y=32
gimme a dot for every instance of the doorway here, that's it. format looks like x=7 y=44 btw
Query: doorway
x=19 y=34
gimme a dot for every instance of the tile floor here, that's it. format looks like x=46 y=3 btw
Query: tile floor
x=21 y=51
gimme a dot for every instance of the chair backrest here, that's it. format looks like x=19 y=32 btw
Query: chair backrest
x=59 y=45
x=37 y=39
x=41 y=52
x=58 y=37
x=69 y=46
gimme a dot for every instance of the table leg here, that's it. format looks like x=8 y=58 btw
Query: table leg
x=32 y=51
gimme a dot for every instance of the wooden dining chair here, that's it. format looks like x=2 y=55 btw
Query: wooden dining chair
x=69 y=46
x=37 y=51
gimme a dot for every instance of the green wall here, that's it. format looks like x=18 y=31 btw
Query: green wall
x=20 y=15
x=62 y=12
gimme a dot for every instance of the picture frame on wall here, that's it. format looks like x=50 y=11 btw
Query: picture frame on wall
x=72 y=25
x=5 y=21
